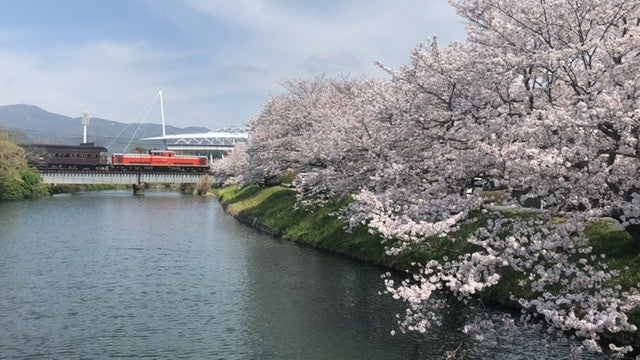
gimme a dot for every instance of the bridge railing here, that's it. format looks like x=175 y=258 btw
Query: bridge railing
x=103 y=177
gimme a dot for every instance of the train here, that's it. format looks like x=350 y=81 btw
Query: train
x=87 y=156
x=160 y=159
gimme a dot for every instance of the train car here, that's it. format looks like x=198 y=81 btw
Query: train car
x=160 y=160
x=83 y=156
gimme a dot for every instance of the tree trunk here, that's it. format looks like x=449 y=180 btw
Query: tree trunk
x=634 y=231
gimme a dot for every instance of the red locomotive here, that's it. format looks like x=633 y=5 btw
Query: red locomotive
x=160 y=159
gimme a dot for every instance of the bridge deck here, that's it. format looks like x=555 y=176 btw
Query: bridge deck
x=104 y=177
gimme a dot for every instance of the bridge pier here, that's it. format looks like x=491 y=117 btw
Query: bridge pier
x=138 y=189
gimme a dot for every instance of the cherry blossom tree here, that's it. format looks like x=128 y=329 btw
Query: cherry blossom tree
x=279 y=133
x=574 y=95
x=437 y=147
x=232 y=168
x=541 y=101
x=322 y=126
x=556 y=95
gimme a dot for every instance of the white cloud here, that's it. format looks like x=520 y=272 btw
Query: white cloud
x=109 y=80
x=253 y=45
x=334 y=37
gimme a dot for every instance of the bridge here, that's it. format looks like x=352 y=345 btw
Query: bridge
x=107 y=177
x=213 y=144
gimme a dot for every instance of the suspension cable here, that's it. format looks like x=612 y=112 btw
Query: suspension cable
x=193 y=111
x=147 y=107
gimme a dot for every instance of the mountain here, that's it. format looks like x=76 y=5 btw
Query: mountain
x=31 y=124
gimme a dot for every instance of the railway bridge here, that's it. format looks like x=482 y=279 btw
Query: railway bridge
x=135 y=178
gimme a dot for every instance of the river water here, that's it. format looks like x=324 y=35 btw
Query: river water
x=171 y=276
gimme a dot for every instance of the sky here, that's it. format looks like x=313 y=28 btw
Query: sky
x=216 y=61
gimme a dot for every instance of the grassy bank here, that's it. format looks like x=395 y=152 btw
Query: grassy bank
x=274 y=210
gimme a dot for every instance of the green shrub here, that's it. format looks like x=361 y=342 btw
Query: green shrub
x=32 y=186
x=10 y=188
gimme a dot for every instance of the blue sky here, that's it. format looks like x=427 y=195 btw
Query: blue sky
x=216 y=62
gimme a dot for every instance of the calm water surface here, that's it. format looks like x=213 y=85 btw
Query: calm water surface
x=110 y=275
